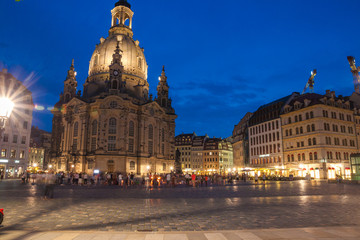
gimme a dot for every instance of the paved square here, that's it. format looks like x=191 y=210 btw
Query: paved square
x=247 y=206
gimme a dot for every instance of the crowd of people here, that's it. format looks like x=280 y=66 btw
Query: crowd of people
x=132 y=180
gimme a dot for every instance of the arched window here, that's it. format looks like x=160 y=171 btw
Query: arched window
x=309 y=141
x=131 y=129
x=140 y=63
x=94 y=128
x=303 y=156
x=299 y=157
x=96 y=61
x=164 y=166
x=314 y=141
x=151 y=132
x=308 y=128
x=315 y=156
x=289 y=120
x=313 y=127
x=311 y=114
x=162 y=134
x=132 y=165
x=297 y=130
x=67 y=97
x=301 y=130
x=76 y=129
x=112 y=126
x=311 y=156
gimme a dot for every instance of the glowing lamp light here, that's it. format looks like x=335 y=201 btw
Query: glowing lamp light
x=73 y=166
x=50 y=166
x=35 y=165
x=147 y=167
x=6 y=107
x=171 y=168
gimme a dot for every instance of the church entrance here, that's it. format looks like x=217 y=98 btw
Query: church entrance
x=111 y=166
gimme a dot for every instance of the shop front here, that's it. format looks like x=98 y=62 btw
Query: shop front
x=11 y=168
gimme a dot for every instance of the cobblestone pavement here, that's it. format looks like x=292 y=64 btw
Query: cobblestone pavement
x=298 y=204
x=333 y=233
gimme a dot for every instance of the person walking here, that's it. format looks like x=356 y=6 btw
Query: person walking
x=193 y=178
x=168 y=179
x=206 y=180
x=85 y=179
x=256 y=178
x=120 y=177
x=49 y=185
x=264 y=178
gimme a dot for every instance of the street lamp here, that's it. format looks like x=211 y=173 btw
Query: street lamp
x=6 y=107
x=50 y=166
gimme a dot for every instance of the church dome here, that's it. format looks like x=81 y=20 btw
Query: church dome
x=133 y=58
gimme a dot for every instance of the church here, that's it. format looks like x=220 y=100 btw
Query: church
x=114 y=125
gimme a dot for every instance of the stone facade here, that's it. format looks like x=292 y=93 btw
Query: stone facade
x=240 y=142
x=319 y=134
x=183 y=143
x=39 y=148
x=217 y=156
x=15 y=138
x=265 y=138
x=114 y=126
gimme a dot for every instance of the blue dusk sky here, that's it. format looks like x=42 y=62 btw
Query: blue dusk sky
x=223 y=58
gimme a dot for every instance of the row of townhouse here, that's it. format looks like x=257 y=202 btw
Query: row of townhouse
x=203 y=154
x=301 y=134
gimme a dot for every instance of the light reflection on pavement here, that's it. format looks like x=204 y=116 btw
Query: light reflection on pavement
x=249 y=206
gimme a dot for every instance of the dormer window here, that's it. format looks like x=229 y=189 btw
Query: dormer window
x=139 y=63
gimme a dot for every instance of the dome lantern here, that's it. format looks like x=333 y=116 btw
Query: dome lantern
x=121 y=13
x=123 y=3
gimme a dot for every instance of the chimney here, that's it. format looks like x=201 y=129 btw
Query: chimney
x=333 y=94
x=328 y=94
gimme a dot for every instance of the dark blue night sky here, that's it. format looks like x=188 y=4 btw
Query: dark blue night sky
x=223 y=58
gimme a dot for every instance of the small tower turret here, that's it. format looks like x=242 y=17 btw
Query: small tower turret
x=70 y=84
x=116 y=70
x=163 y=91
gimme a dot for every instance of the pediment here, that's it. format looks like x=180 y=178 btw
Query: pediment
x=153 y=108
x=75 y=102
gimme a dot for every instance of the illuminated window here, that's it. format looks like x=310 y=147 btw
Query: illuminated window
x=13 y=153
x=3 y=152
x=132 y=165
